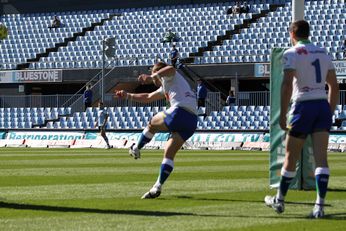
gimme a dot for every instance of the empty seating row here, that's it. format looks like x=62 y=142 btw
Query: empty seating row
x=141 y=30
x=228 y=118
x=28 y=33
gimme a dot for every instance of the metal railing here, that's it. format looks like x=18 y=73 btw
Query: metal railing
x=97 y=85
x=213 y=101
x=111 y=101
x=256 y=98
x=342 y=98
x=34 y=100
x=262 y=98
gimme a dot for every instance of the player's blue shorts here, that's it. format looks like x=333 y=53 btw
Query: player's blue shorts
x=310 y=116
x=181 y=121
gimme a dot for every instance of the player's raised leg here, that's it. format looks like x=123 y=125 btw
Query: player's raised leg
x=155 y=125
x=320 y=144
x=172 y=147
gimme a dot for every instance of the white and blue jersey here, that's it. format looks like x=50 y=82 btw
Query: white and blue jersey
x=310 y=110
x=181 y=117
x=311 y=64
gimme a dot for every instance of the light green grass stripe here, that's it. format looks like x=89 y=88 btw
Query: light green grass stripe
x=112 y=163
x=132 y=189
x=134 y=223
x=144 y=158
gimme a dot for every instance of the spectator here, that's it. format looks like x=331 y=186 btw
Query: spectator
x=236 y=9
x=174 y=55
x=230 y=101
x=344 y=49
x=229 y=10
x=201 y=94
x=170 y=36
x=244 y=8
x=88 y=97
x=56 y=23
x=102 y=122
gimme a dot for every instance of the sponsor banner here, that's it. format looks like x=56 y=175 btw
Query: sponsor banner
x=39 y=135
x=37 y=76
x=340 y=68
x=263 y=69
x=277 y=136
x=341 y=80
x=308 y=166
x=227 y=137
x=197 y=137
x=125 y=136
x=334 y=147
x=256 y=146
x=337 y=138
x=303 y=179
x=342 y=147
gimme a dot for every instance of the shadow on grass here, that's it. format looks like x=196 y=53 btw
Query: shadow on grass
x=216 y=199
x=335 y=216
x=331 y=216
x=336 y=189
x=49 y=208
x=245 y=201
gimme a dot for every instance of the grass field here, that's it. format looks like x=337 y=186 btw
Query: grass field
x=88 y=189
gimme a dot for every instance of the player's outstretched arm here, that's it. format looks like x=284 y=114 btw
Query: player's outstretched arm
x=333 y=92
x=168 y=72
x=141 y=97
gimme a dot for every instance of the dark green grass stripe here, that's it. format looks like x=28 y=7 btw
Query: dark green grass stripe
x=47 y=180
x=76 y=164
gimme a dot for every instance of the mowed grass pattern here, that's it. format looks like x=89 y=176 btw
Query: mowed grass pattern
x=92 y=189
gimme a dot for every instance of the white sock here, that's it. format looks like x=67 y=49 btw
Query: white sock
x=319 y=200
x=157 y=184
x=147 y=134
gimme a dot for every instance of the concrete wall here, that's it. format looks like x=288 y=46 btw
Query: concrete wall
x=227 y=71
x=214 y=71
x=130 y=74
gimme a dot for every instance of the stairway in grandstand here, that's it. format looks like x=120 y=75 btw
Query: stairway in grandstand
x=80 y=31
x=237 y=29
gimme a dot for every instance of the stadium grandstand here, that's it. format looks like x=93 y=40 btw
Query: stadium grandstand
x=43 y=71
x=81 y=144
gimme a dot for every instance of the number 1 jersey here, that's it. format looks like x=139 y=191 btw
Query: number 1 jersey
x=311 y=64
